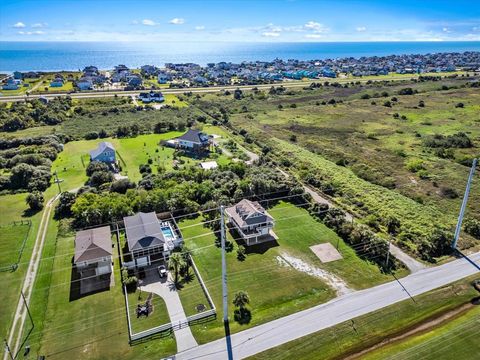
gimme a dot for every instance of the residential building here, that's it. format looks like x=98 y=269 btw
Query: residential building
x=84 y=83
x=105 y=152
x=93 y=251
x=193 y=141
x=252 y=222
x=151 y=96
x=17 y=75
x=150 y=239
x=11 y=84
x=57 y=82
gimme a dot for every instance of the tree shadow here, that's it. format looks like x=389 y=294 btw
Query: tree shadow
x=30 y=212
x=242 y=316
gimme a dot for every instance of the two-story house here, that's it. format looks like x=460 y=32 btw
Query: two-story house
x=93 y=252
x=105 y=152
x=252 y=222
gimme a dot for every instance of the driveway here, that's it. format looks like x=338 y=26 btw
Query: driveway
x=165 y=289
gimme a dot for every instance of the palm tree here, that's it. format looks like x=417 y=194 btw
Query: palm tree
x=241 y=299
x=186 y=258
x=175 y=263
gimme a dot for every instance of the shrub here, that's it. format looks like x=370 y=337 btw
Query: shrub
x=415 y=165
x=35 y=200
x=472 y=227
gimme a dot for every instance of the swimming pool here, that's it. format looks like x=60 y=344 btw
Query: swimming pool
x=167 y=232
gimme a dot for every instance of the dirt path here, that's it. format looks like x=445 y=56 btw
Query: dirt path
x=338 y=284
x=14 y=338
x=421 y=328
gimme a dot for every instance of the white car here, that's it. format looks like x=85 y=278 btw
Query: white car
x=162 y=271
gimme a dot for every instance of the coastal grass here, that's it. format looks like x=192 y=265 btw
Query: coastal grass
x=344 y=339
x=275 y=290
x=456 y=339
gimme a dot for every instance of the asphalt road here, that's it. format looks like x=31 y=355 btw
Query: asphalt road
x=343 y=308
x=95 y=94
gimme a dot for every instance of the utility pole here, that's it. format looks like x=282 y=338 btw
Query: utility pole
x=224 y=286
x=58 y=181
x=224 y=266
x=388 y=253
x=464 y=205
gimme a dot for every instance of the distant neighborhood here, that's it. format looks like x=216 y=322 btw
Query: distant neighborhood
x=184 y=75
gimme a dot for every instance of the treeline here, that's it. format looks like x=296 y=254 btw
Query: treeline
x=26 y=163
x=181 y=192
x=22 y=115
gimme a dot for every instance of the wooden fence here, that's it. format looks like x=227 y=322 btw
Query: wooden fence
x=14 y=266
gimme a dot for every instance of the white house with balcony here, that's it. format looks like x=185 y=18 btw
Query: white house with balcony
x=252 y=222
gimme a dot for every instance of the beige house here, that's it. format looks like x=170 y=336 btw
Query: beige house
x=253 y=223
x=93 y=252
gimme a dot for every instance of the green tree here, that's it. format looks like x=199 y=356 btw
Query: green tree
x=35 y=200
x=241 y=299
x=175 y=263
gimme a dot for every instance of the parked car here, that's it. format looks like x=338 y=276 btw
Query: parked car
x=162 y=271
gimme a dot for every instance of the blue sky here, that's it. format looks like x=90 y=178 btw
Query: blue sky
x=241 y=20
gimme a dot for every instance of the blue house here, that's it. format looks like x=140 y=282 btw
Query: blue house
x=57 y=83
x=11 y=84
x=17 y=75
x=105 y=152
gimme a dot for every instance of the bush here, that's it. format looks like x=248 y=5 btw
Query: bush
x=35 y=201
x=459 y=105
x=415 y=165
x=64 y=206
x=472 y=227
x=94 y=166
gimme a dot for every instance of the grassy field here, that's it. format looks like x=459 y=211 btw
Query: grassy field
x=365 y=147
x=13 y=209
x=131 y=152
x=342 y=340
x=457 y=339
x=275 y=290
x=89 y=327
x=158 y=317
x=11 y=240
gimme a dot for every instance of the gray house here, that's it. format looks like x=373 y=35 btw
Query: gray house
x=105 y=152
x=93 y=252
x=149 y=239
x=252 y=222
x=193 y=141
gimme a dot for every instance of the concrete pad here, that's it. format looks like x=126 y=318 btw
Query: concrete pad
x=326 y=252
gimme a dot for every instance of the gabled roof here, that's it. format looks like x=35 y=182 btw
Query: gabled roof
x=194 y=136
x=92 y=244
x=143 y=231
x=248 y=212
x=101 y=148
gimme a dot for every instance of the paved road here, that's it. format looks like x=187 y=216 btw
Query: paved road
x=14 y=338
x=343 y=308
x=102 y=93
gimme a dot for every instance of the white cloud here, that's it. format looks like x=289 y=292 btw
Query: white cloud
x=199 y=28
x=445 y=29
x=271 y=34
x=39 y=25
x=148 y=22
x=177 y=21
x=19 y=25
x=316 y=27
x=313 y=36
x=361 y=29
x=38 y=32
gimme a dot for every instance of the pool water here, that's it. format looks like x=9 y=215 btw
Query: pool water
x=167 y=232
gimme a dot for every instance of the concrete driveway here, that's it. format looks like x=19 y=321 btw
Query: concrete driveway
x=165 y=288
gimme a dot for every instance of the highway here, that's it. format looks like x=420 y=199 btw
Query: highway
x=103 y=93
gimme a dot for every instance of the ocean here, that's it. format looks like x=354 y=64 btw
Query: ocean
x=56 y=56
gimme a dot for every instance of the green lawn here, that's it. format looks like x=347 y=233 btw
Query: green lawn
x=191 y=294
x=11 y=239
x=342 y=340
x=157 y=318
x=131 y=152
x=275 y=290
x=14 y=207
x=457 y=339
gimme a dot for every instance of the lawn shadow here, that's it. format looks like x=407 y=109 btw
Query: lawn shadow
x=88 y=285
x=260 y=248
x=242 y=316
